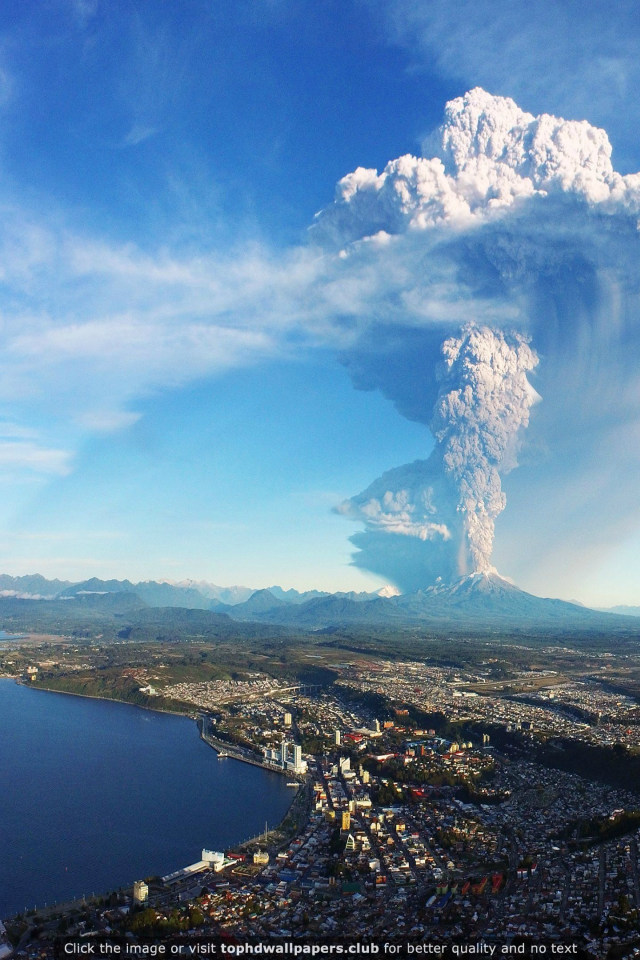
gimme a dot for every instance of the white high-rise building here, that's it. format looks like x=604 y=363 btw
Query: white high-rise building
x=291 y=757
x=140 y=892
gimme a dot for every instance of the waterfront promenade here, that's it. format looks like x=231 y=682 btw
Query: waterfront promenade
x=224 y=749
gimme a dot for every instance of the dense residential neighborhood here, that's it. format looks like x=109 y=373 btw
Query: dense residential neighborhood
x=396 y=829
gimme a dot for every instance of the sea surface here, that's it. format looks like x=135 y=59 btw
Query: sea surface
x=96 y=794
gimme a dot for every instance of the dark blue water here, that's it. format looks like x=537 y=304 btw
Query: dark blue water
x=96 y=794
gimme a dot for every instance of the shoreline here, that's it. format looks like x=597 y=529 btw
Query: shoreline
x=57 y=906
x=93 y=696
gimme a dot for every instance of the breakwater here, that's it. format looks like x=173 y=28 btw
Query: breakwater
x=224 y=749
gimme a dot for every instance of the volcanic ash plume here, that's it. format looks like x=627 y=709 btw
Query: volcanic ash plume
x=511 y=222
x=444 y=508
x=483 y=401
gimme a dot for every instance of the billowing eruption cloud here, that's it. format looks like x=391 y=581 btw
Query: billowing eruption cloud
x=489 y=155
x=520 y=227
x=412 y=530
x=402 y=501
x=483 y=402
x=455 y=496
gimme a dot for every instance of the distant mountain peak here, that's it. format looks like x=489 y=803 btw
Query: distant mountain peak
x=481 y=582
x=388 y=591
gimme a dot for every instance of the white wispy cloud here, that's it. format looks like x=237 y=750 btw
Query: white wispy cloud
x=108 y=421
x=83 y=10
x=32 y=457
x=17 y=431
x=138 y=133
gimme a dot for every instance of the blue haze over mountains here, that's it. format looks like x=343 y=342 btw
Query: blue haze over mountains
x=197 y=595
x=484 y=601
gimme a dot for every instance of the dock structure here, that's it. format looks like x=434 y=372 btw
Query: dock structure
x=224 y=749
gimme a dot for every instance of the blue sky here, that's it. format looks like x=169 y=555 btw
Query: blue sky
x=172 y=405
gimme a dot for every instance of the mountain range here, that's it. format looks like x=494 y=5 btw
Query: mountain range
x=480 y=601
x=485 y=602
x=194 y=594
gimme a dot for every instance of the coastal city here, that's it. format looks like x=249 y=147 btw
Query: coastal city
x=430 y=803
